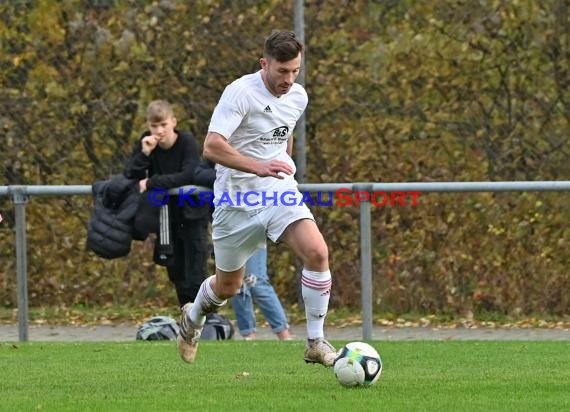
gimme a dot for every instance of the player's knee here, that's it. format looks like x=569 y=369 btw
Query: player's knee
x=318 y=255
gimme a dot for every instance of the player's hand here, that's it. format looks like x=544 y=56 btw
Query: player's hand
x=274 y=168
x=149 y=143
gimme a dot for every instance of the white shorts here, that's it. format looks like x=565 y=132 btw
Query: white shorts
x=237 y=234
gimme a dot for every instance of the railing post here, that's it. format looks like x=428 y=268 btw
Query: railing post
x=20 y=199
x=365 y=262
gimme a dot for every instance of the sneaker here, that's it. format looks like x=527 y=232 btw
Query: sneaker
x=320 y=351
x=251 y=336
x=188 y=336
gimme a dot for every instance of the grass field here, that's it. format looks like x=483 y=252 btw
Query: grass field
x=272 y=376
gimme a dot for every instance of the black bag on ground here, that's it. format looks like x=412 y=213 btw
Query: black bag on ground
x=158 y=328
x=217 y=327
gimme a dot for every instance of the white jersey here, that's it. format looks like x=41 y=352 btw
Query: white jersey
x=258 y=125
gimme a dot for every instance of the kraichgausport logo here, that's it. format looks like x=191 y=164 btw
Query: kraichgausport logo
x=340 y=197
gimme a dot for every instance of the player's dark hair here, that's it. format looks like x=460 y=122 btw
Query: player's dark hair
x=282 y=46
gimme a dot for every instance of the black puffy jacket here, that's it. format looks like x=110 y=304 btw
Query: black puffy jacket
x=110 y=230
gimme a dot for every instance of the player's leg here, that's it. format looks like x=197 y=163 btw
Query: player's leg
x=230 y=228
x=213 y=294
x=295 y=226
x=306 y=240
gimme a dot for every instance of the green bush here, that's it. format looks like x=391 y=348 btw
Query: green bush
x=399 y=91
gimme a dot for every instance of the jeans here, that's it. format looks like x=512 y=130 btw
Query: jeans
x=256 y=288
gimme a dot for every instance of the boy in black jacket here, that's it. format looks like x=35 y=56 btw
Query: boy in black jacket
x=162 y=159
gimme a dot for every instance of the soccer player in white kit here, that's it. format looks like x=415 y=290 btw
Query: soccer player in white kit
x=250 y=138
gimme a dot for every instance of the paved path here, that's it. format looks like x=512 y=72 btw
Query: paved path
x=122 y=332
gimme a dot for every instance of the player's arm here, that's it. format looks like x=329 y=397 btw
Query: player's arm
x=218 y=150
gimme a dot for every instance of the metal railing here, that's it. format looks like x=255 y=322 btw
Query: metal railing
x=21 y=194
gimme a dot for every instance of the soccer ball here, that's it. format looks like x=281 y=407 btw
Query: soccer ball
x=357 y=363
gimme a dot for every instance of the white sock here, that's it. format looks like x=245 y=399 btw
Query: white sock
x=206 y=302
x=316 y=289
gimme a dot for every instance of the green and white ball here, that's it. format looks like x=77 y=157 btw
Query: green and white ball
x=356 y=364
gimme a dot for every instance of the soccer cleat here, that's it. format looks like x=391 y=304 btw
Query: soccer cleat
x=320 y=351
x=188 y=336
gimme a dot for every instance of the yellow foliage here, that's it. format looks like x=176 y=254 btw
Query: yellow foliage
x=398 y=92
